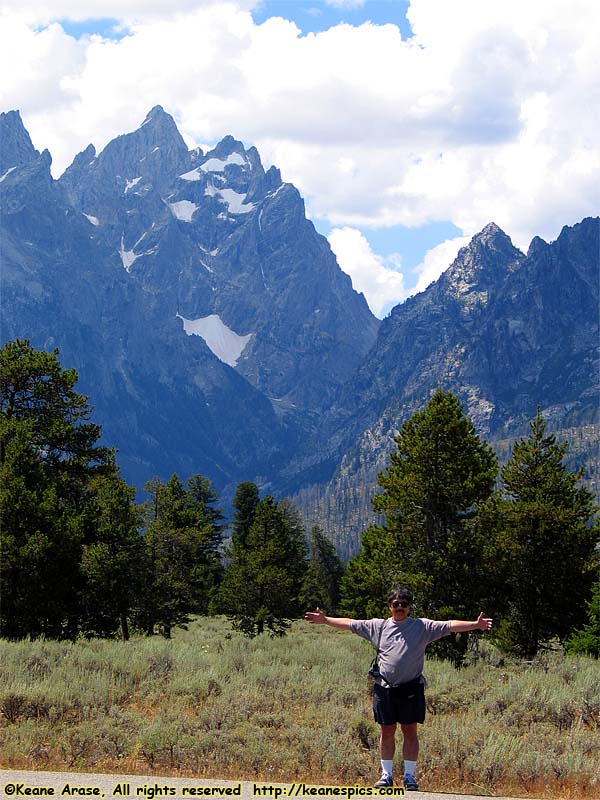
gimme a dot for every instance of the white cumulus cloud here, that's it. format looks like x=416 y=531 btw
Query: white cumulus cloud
x=378 y=278
x=489 y=112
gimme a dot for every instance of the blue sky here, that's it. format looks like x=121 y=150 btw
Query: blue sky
x=407 y=125
x=314 y=17
x=110 y=28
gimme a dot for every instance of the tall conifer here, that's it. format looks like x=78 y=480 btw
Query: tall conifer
x=548 y=540
x=181 y=562
x=49 y=452
x=261 y=585
x=438 y=475
x=321 y=585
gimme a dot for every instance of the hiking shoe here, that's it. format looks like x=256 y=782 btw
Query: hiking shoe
x=385 y=780
x=410 y=783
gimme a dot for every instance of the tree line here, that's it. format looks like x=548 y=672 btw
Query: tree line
x=78 y=556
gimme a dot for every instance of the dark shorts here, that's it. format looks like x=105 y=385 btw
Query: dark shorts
x=404 y=704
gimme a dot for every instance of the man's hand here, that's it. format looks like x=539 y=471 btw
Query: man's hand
x=462 y=626
x=483 y=623
x=316 y=617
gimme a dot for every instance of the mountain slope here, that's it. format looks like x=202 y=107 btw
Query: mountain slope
x=208 y=320
x=505 y=331
x=214 y=235
x=214 y=331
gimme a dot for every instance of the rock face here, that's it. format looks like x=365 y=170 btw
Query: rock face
x=214 y=331
x=214 y=235
x=17 y=148
x=209 y=322
x=503 y=330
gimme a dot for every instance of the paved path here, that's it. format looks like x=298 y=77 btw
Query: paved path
x=14 y=784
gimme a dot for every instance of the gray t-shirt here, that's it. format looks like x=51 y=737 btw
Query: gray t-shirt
x=402 y=648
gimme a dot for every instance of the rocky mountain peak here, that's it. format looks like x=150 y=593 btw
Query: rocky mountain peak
x=32 y=179
x=490 y=232
x=82 y=160
x=153 y=150
x=537 y=246
x=157 y=130
x=227 y=145
x=481 y=265
x=190 y=291
x=17 y=148
x=230 y=152
x=158 y=115
x=147 y=156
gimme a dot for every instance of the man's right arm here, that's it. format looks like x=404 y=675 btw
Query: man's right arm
x=318 y=618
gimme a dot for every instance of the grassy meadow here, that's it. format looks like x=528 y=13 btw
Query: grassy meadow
x=212 y=703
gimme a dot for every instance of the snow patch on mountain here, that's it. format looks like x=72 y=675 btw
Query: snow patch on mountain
x=7 y=173
x=183 y=210
x=210 y=252
x=194 y=175
x=127 y=256
x=130 y=184
x=273 y=194
x=218 y=165
x=226 y=344
x=234 y=200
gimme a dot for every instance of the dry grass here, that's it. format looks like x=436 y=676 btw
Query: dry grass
x=210 y=703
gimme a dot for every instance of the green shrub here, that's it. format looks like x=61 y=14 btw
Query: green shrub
x=288 y=709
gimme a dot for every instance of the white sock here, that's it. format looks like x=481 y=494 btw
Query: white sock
x=409 y=767
x=387 y=766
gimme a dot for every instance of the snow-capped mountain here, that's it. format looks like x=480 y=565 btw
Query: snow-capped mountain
x=209 y=322
x=225 y=248
x=214 y=331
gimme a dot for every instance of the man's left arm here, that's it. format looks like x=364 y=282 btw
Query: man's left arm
x=462 y=626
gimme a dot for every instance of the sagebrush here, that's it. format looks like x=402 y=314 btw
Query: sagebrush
x=212 y=703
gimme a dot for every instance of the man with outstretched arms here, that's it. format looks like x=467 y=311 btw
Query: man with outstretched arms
x=398 y=692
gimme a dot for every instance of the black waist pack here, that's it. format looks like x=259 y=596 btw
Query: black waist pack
x=409 y=688
x=374 y=669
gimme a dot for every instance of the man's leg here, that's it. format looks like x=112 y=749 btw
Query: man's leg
x=387 y=747
x=386 y=717
x=410 y=751
x=387 y=742
x=410 y=745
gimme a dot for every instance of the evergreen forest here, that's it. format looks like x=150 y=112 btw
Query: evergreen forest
x=79 y=558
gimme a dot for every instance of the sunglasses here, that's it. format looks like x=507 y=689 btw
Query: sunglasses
x=400 y=604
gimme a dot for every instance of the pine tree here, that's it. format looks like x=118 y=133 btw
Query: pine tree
x=549 y=543
x=34 y=389
x=321 y=585
x=111 y=563
x=181 y=542
x=202 y=497
x=262 y=582
x=371 y=573
x=587 y=640
x=48 y=455
x=438 y=476
x=245 y=502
